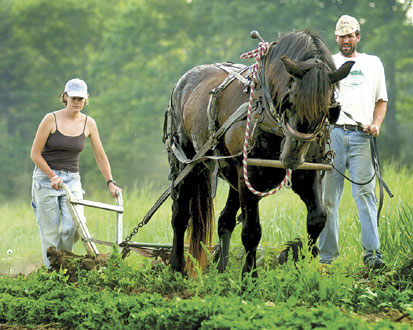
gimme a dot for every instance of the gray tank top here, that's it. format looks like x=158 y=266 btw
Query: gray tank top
x=62 y=152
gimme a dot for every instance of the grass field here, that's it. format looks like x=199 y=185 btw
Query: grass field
x=138 y=294
x=282 y=219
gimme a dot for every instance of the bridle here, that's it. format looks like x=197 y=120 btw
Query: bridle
x=279 y=115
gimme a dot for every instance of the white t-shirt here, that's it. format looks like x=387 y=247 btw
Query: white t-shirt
x=361 y=89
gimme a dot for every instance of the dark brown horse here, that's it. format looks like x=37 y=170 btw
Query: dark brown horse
x=294 y=100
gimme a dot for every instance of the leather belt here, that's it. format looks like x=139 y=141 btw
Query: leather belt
x=350 y=127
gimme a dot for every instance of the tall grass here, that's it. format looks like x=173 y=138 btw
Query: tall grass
x=283 y=217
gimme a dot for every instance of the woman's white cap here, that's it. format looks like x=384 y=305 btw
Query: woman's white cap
x=76 y=87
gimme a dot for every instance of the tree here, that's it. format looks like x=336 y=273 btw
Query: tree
x=132 y=52
x=392 y=40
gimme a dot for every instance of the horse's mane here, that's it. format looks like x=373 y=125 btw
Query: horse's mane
x=314 y=89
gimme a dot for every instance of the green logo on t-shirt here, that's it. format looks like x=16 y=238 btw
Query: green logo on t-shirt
x=355 y=78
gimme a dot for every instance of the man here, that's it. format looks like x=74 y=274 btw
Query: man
x=363 y=99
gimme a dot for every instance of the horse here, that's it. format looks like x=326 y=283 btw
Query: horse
x=292 y=105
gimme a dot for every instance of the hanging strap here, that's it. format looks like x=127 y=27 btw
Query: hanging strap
x=376 y=164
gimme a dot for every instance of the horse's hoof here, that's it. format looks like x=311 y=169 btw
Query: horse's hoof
x=314 y=251
x=176 y=266
x=295 y=246
x=283 y=257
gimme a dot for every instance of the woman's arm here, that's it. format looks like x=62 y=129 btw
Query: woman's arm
x=100 y=155
x=45 y=128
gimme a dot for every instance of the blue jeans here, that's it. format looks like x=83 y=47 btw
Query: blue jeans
x=352 y=151
x=52 y=214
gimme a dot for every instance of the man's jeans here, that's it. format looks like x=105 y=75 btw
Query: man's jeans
x=52 y=214
x=352 y=151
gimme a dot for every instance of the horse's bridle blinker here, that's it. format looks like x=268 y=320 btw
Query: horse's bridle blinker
x=280 y=116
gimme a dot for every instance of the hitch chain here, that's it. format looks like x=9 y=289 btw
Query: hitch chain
x=126 y=241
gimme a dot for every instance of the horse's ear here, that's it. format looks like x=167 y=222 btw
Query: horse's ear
x=341 y=73
x=292 y=68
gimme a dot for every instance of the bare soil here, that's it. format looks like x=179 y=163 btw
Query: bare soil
x=393 y=315
x=25 y=267
x=73 y=263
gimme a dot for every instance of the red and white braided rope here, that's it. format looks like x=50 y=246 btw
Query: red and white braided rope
x=257 y=54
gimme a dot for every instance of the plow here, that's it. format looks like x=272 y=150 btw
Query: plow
x=145 y=249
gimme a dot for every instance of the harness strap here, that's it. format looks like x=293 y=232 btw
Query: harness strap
x=234 y=73
x=214 y=180
x=213 y=141
x=214 y=93
x=267 y=99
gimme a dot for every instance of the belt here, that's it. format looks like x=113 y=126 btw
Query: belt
x=350 y=127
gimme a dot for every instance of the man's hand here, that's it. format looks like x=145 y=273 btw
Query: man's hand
x=372 y=129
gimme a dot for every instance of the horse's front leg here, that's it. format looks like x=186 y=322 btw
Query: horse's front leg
x=180 y=217
x=308 y=187
x=251 y=228
x=226 y=225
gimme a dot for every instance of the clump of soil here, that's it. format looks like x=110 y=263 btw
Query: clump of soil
x=73 y=263
x=393 y=315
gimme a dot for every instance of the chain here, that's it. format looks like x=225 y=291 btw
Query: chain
x=133 y=233
x=126 y=241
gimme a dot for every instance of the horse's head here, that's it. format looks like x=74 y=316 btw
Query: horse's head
x=306 y=105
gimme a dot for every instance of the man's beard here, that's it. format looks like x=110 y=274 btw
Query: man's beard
x=348 y=51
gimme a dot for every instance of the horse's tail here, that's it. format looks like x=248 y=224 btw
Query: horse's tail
x=201 y=222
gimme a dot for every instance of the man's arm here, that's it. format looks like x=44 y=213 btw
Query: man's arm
x=378 y=117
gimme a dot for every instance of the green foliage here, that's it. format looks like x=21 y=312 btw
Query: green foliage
x=150 y=296
x=125 y=298
x=300 y=295
x=399 y=245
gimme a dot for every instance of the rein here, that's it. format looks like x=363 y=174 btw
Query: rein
x=258 y=53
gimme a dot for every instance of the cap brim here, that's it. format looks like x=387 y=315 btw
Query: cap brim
x=341 y=33
x=78 y=94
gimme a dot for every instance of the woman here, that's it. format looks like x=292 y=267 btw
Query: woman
x=55 y=152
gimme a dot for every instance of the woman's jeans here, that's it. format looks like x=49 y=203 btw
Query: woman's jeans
x=52 y=214
x=352 y=151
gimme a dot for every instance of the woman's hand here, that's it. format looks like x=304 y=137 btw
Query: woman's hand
x=113 y=188
x=54 y=182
